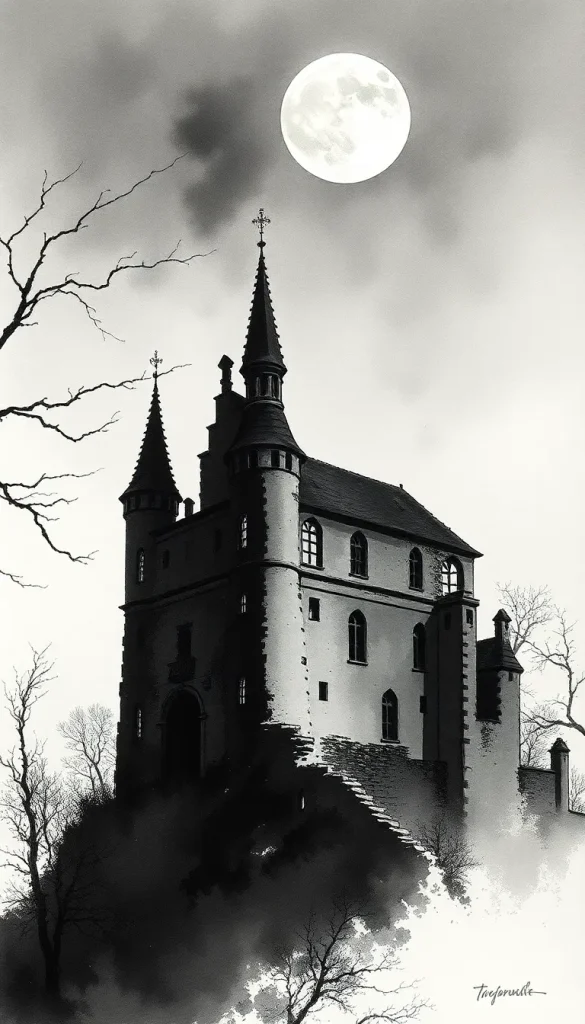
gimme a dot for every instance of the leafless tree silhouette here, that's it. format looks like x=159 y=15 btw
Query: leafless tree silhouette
x=38 y=495
x=337 y=965
x=90 y=738
x=452 y=851
x=47 y=891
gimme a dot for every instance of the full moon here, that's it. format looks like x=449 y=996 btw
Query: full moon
x=345 y=117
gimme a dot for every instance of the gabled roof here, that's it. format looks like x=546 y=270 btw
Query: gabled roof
x=153 y=470
x=329 y=489
x=493 y=654
x=262 y=344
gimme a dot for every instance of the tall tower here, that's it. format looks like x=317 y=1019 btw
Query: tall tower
x=265 y=465
x=151 y=503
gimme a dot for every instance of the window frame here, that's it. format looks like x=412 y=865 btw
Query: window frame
x=243 y=532
x=311 y=528
x=419 y=648
x=314 y=605
x=140 y=566
x=390 y=722
x=415 y=570
x=451 y=568
x=242 y=691
x=357 y=638
x=358 y=555
x=323 y=690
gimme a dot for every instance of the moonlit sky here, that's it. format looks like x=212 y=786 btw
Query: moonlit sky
x=431 y=317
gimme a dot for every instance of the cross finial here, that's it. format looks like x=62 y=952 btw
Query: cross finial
x=155 y=361
x=261 y=220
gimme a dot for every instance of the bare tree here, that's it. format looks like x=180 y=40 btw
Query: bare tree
x=577 y=791
x=534 y=745
x=530 y=608
x=337 y=966
x=452 y=852
x=560 y=652
x=47 y=891
x=33 y=284
x=89 y=735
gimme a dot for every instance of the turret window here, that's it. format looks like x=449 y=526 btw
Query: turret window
x=253 y=460
x=358 y=555
x=451 y=576
x=419 y=644
x=390 y=716
x=242 y=690
x=140 y=565
x=357 y=627
x=288 y=461
x=275 y=459
x=312 y=543
x=415 y=570
x=243 y=532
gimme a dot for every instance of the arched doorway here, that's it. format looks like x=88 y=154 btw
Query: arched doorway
x=182 y=740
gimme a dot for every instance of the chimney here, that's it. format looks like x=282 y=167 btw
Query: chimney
x=502 y=626
x=559 y=762
x=189 y=506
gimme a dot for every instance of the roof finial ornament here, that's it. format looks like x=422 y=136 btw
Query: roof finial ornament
x=155 y=361
x=261 y=220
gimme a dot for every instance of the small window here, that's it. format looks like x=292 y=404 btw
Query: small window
x=217 y=539
x=447 y=620
x=243 y=604
x=389 y=716
x=357 y=637
x=358 y=555
x=301 y=800
x=243 y=532
x=488 y=697
x=422 y=703
x=253 y=459
x=140 y=566
x=138 y=723
x=451 y=576
x=469 y=616
x=275 y=459
x=314 y=609
x=419 y=643
x=312 y=543
x=288 y=461
x=184 y=642
x=242 y=690
x=510 y=677
x=166 y=558
x=415 y=570
x=323 y=690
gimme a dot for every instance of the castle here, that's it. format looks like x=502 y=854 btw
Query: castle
x=308 y=602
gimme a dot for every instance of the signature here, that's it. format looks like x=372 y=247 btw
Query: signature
x=483 y=992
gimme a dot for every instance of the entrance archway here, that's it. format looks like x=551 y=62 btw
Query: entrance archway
x=182 y=740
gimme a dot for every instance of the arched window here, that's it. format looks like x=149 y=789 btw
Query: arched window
x=312 y=543
x=389 y=716
x=357 y=637
x=419 y=645
x=415 y=570
x=358 y=555
x=140 y=564
x=243 y=532
x=451 y=576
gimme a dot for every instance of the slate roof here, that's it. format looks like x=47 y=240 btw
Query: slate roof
x=493 y=654
x=153 y=470
x=264 y=424
x=262 y=344
x=330 y=489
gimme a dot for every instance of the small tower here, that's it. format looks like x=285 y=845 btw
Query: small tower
x=151 y=499
x=559 y=762
x=265 y=463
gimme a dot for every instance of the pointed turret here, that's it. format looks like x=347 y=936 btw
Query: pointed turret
x=153 y=475
x=264 y=424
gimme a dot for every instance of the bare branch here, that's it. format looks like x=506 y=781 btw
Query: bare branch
x=530 y=608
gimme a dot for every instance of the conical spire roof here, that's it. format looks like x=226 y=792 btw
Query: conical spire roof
x=153 y=470
x=262 y=344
